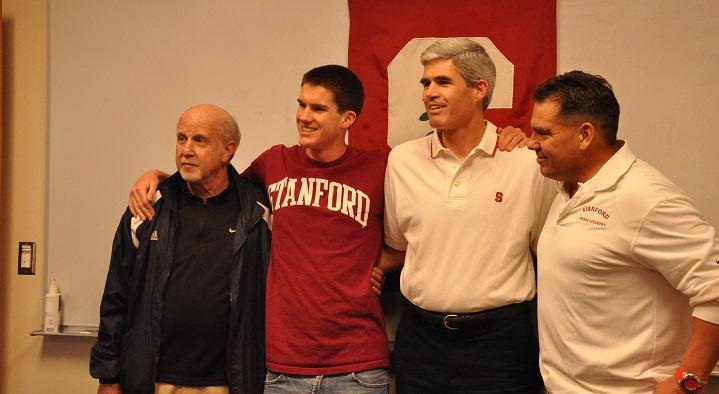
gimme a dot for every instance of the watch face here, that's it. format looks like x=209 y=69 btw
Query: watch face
x=690 y=384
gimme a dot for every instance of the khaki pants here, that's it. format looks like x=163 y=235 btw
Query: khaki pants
x=164 y=388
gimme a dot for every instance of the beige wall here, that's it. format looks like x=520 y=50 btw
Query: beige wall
x=29 y=364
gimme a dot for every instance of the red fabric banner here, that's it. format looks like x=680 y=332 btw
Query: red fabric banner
x=523 y=30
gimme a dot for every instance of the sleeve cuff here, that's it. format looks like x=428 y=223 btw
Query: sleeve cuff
x=396 y=245
x=708 y=312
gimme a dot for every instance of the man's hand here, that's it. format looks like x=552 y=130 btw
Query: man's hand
x=668 y=386
x=510 y=137
x=377 y=280
x=700 y=356
x=532 y=144
x=109 y=389
x=143 y=192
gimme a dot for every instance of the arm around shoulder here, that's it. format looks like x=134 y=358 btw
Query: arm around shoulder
x=511 y=137
x=143 y=192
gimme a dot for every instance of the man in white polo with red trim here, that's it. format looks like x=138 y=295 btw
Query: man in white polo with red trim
x=628 y=268
x=466 y=214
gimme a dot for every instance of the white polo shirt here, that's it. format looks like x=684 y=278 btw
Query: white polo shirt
x=623 y=265
x=467 y=226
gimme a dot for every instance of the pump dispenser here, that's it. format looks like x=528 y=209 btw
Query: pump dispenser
x=51 y=323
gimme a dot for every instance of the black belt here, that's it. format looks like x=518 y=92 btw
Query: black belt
x=455 y=321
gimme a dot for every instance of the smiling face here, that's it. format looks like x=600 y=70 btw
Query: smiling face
x=202 y=152
x=556 y=142
x=320 y=125
x=449 y=102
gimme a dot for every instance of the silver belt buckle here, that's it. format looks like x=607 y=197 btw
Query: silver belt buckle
x=447 y=326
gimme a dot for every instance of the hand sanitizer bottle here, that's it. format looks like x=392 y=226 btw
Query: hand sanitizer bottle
x=51 y=323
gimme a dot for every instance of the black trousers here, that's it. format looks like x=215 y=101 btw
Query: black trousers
x=495 y=355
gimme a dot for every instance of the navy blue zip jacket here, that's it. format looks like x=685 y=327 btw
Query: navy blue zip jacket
x=127 y=347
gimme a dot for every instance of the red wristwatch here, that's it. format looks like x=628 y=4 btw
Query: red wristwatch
x=689 y=382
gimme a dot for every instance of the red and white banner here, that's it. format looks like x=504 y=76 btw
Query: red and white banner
x=386 y=38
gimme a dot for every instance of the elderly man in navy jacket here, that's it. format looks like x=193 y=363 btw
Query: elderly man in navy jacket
x=184 y=298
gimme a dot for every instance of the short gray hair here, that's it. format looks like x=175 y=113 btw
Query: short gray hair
x=230 y=130
x=470 y=58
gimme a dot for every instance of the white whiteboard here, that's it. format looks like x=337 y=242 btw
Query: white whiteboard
x=122 y=72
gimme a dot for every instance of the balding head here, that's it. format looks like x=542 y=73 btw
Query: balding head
x=207 y=137
x=216 y=114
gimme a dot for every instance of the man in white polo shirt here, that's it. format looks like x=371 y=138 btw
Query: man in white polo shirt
x=466 y=214
x=628 y=268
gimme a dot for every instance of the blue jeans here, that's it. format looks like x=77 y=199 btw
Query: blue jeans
x=373 y=381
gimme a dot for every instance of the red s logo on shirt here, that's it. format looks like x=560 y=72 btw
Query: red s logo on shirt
x=498 y=197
